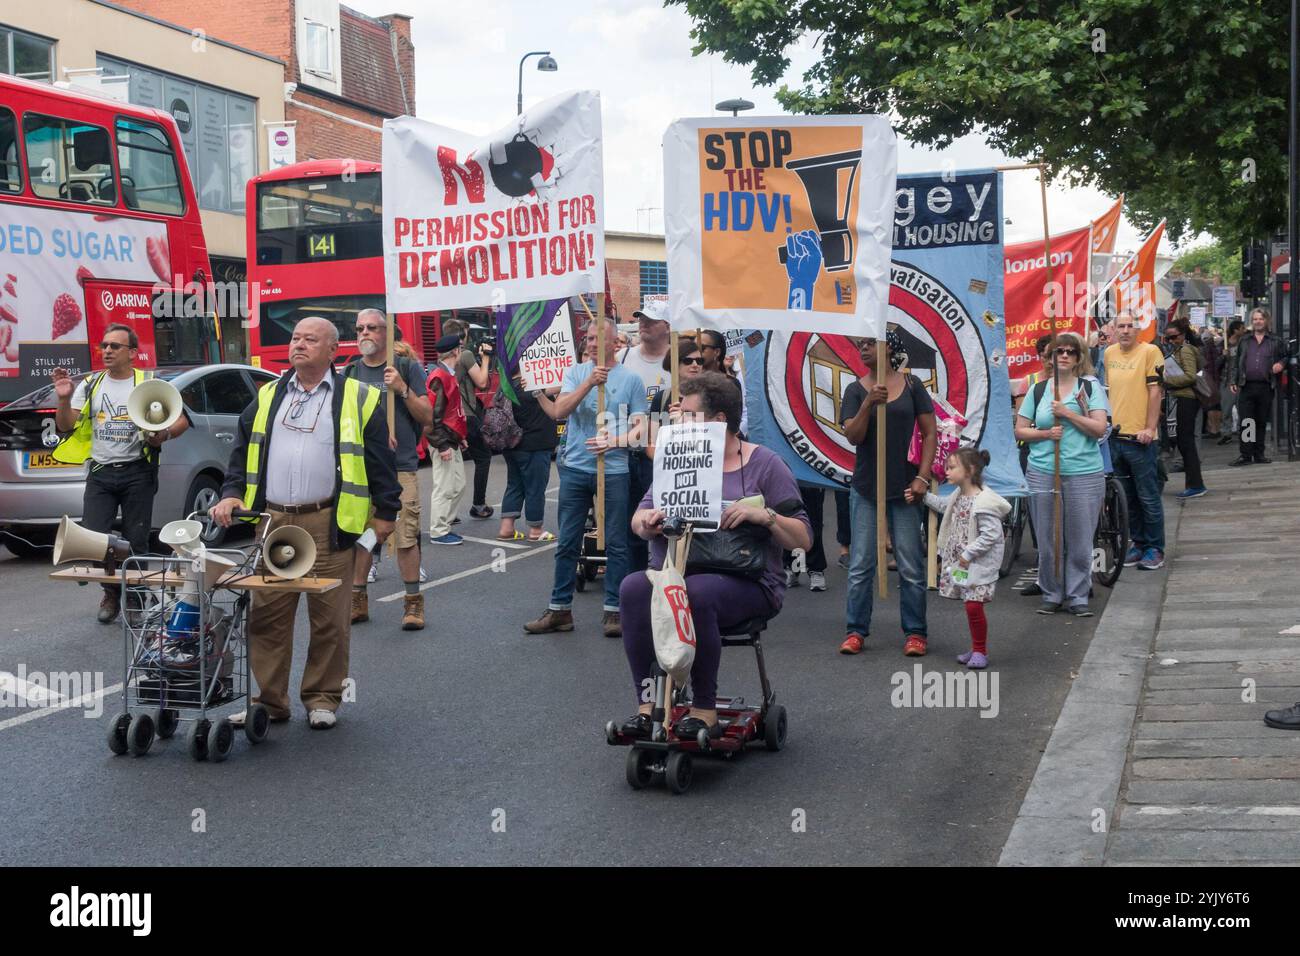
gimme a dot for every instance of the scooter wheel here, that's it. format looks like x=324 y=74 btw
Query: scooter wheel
x=611 y=732
x=197 y=740
x=221 y=738
x=139 y=736
x=774 y=727
x=168 y=719
x=638 y=765
x=679 y=771
x=117 y=733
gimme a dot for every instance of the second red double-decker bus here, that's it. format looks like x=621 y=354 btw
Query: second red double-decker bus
x=315 y=247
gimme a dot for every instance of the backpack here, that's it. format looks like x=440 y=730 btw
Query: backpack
x=499 y=430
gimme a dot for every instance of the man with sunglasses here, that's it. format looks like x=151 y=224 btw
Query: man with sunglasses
x=1133 y=377
x=412 y=413
x=123 y=460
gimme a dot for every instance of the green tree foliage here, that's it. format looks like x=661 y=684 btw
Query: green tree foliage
x=1180 y=104
x=1218 y=258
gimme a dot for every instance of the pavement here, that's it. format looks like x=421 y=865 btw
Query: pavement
x=473 y=743
x=1160 y=755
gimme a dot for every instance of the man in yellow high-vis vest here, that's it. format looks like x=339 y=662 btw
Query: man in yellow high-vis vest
x=312 y=450
x=123 y=461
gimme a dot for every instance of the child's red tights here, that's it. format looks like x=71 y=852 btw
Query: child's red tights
x=979 y=626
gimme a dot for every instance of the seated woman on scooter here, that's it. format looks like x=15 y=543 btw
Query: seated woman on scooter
x=717 y=600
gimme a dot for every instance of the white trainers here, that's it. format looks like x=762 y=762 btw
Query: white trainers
x=373 y=576
x=791 y=579
x=322 y=719
x=816 y=581
x=424 y=575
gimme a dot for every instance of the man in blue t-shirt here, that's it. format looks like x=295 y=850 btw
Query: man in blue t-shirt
x=584 y=439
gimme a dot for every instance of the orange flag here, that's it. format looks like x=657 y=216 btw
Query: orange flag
x=1135 y=286
x=1106 y=227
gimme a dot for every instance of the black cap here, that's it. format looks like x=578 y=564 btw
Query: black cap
x=448 y=343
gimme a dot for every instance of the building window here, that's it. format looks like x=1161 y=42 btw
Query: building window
x=26 y=55
x=317 y=53
x=218 y=130
x=654 y=278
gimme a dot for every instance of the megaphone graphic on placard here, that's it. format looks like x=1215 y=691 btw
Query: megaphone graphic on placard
x=828 y=181
x=75 y=543
x=154 y=405
x=288 y=552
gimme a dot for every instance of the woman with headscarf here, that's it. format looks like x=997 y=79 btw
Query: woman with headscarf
x=907 y=408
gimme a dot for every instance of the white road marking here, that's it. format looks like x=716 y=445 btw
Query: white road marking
x=31 y=695
x=73 y=704
x=469 y=572
x=494 y=542
x=1279 y=811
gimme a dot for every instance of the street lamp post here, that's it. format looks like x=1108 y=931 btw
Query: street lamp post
x=546 y=64
x=734 y=105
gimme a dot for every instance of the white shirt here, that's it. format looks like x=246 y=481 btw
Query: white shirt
x=650 y=371
x=114 y=439
x=300 y=468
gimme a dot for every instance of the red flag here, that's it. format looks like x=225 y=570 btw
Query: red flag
x=1031 y=303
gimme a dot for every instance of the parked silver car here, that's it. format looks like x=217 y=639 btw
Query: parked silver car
x=36 y=491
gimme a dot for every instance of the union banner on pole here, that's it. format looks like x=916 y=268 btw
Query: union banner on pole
x=517 y=216
x=1135 y=286
x=781 y=222
x=1034 y=304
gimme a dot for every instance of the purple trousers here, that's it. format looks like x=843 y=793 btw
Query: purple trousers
x=717 y=601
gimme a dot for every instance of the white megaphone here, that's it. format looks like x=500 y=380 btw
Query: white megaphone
x=185 y=537
x=75 y=543
x=288 y=552
x=154 y=405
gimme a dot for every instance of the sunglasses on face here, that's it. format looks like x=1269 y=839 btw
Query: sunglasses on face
x=693 y=360
x=1067 y=351
x=112 y=346
x=369 y=328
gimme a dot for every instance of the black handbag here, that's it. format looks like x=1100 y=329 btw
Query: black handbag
x=741 y=551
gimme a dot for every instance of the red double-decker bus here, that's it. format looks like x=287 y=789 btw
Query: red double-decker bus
x=98 y=218
x=315 y=247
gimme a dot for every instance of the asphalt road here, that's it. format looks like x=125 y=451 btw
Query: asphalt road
x=472 y=742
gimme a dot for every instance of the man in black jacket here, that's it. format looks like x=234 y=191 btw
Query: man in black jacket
x=298 y=458
x=1259 y=362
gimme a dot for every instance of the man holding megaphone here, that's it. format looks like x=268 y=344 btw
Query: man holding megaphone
x=312 y=450
x=123 y=458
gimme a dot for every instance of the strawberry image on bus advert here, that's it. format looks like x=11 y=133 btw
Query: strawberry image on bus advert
x=156 y=249
x=67 y=315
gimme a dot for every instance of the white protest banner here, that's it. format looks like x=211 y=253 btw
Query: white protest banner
x=515 y=216
x=545 y=361
x=736 y=340
x=1224 y=301
x=1196 y=315
x=783 y=222
x=688 y=471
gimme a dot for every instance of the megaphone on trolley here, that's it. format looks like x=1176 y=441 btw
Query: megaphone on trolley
x=154 y=405
x=288 y=552
x=75 y=543
x=185 y=537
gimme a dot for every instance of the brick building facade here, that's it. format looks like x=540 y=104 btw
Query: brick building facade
x=345 y=72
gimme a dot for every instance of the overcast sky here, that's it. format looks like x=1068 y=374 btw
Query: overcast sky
x=637 y=54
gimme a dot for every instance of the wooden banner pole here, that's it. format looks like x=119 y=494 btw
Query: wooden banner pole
x=1056 y=381
x=392 y=405
x=600 y=417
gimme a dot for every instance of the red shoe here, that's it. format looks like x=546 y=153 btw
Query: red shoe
x=915 y=646
x=853 y=644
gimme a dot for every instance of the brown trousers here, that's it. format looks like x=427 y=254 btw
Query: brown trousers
x=270 y=631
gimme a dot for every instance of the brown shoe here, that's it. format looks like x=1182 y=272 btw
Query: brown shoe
x=109 y=606
x=551 y=621
x=360 y=606
x=413 y=613
x=612 y=624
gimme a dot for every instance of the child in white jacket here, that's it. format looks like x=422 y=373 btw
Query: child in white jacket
x=970 y=544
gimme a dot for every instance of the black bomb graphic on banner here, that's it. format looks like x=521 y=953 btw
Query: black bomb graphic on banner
x=806 y=374
x=523 y=167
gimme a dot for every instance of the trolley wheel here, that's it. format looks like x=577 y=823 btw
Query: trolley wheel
x=221 y=739
x=139 y=736
x=611 y=732
x=257 y=723
x=679 y=771
x=638 y=768
x=580 y=578
x=117 y=733
x=198 y=739
x=774 y=727
x=168 y=720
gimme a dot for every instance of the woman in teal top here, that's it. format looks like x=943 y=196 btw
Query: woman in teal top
x=1082 y=422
